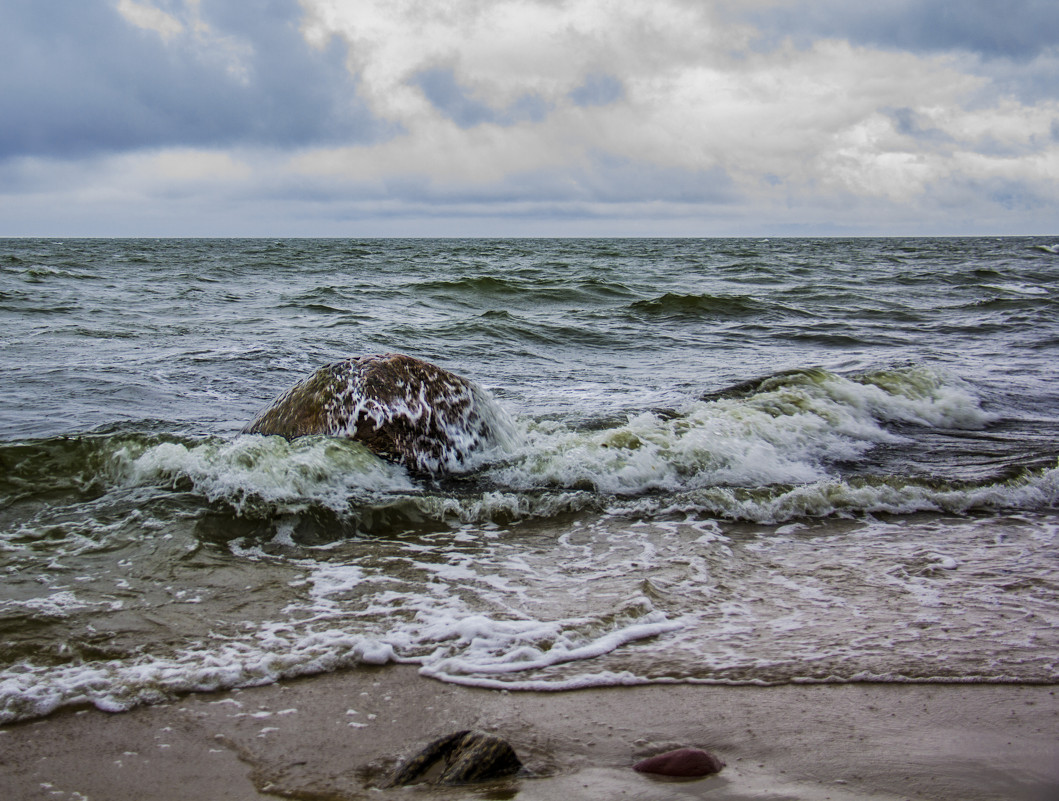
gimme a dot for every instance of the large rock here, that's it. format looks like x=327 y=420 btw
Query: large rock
x=403 y=409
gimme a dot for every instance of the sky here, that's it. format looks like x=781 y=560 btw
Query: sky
x=365 y=118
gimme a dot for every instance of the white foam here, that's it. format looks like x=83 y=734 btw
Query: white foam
x=447 y=643
x=329 y=580
x=487 y=646
x=614 y=602
x=58 y=604
x=322 y=470
x=786 y=433
x=1034 y=491
x=1018 y=289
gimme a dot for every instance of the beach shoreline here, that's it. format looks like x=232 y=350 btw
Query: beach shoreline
x=336 y=736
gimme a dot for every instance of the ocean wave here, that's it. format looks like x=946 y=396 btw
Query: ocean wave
x=1033 y=491
x=477 y=285
x=799 y=443
x=791 y=428
x=251 y=471
x=679 y=305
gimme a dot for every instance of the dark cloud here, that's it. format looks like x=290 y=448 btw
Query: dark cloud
x=1014 y=29
x=442 y=90
x=78 y=79
x=445 y=93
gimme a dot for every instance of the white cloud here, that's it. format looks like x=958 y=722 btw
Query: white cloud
x=230 y=51
x=183 y=166
x=695 y=96
x=150 y=18
x=502 y=50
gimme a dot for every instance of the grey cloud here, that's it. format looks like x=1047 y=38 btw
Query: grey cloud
x=1015 y=29
x=1015 y=196
x=598 y=90
x=1030 y=81
x=441 y=88
x=604 y=179
x=528 y=108
x=614 y=179
x=909 y=123
x=78 y=79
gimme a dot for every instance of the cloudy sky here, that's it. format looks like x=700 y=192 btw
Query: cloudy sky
x=528 y=117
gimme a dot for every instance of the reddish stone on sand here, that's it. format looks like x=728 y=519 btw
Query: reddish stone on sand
x=686 y=762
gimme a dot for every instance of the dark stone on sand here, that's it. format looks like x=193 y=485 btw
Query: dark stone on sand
x=403 y=409
x=465 y=757
x=684 y=762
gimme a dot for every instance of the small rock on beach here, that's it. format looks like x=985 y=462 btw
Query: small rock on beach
x=684 y=762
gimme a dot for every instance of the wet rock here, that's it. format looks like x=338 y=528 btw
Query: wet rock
x=752 y=386
x=684 y=762
x=461 y=758
x=403 y=409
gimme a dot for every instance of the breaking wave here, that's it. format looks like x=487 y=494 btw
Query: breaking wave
x=804 y=443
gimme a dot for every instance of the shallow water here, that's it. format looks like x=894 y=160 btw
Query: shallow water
x=724 y=460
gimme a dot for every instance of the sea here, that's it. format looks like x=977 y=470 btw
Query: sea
x=729 y=461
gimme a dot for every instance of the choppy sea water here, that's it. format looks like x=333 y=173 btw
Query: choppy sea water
x=745 y=461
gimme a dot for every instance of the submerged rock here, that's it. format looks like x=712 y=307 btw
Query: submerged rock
x=468 y=756
x=403 y=409
x=684 y=762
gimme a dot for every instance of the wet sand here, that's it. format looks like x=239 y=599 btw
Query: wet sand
x=333 y=737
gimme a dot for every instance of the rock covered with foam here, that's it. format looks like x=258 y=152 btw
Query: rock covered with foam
x=402 y=408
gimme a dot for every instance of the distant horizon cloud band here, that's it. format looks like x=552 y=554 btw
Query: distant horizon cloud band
x=528 y=118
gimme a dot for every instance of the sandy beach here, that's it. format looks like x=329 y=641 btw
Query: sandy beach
x=337 y=736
